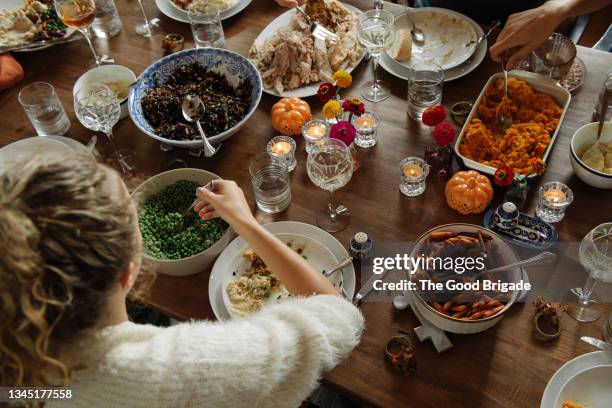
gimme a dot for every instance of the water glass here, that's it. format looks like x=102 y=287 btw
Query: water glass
x=207 y=29
x=366 y=126
x=425 y=81
x=607 y=86
x=283 y=148
x=107 y=22
x=270 y=180
x=413 y=171
x=554 y=198
x=44 y=109
x=315 y=132
x=554 y=57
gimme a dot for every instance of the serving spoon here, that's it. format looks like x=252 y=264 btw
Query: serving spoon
x=480 y=39
x=504 y=122
x=193 y=110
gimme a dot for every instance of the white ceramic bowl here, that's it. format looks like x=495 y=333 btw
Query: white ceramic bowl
x=195 y=263
x=104 y=74
x=317 y=254
x=451 y=324
x=584 y=137
x=591 y=388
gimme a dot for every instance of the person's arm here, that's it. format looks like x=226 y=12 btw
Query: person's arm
x=228 y=202
x=526 y=31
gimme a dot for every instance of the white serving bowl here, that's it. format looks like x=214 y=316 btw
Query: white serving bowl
x=591 y=388
x=195 y=263
x=454 y=325
x=584 y=137
x=107 y=73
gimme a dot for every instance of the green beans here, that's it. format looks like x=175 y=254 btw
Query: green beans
x=167 y=233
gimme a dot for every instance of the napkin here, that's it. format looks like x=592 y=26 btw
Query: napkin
x=11 y=72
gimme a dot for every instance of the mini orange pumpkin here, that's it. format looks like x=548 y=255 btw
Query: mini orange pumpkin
x=289 y=114
x=468 y=192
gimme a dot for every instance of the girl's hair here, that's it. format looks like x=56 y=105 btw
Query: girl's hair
x=66 y=233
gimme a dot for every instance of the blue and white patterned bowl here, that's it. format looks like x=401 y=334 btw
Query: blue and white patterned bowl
x=235 y=67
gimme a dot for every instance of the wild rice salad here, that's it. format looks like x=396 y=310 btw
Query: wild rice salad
x=225 y=105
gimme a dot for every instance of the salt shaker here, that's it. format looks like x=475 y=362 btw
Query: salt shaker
x=361 y=246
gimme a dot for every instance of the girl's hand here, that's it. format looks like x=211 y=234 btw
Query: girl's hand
x=226 y=201
x=526 y=31
x=291 y=3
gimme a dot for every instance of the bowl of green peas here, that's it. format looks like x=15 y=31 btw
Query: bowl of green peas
x=176 y=241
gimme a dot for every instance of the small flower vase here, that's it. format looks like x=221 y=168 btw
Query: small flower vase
x=440 y=158
x=517 y=192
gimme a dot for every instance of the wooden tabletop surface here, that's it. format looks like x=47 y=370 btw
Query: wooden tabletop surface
x=502 y=367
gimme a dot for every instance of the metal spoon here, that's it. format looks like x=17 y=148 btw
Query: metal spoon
x=193 y=110
x=504 y=122
x=604 y=110
x=480 y=39
x=418 y=36
x=602 y=345
x=347 y=261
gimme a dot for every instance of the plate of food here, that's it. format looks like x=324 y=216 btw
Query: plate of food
x=398 y=59
x=228 y=84
x=471 y=299
x=292 y=63
x=537 y=106
x=238 y=273
x=30 y=25
x=252 y=284
x=558 y=392
x=178 y=9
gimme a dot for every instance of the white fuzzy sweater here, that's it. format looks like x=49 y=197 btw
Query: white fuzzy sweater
x=271 y=359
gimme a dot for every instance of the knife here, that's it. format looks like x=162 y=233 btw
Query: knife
x=367 y=287
x=602 y=345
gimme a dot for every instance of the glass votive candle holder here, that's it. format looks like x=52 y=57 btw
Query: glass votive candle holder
x=283 y=148
x=366 y=126
x=414 y=171
x=554 y=198
x=314 y=132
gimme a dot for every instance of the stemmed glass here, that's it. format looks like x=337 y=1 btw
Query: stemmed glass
x=98 y=109
x=144 y=29
x=330 y=167
x=376 y=34
x=595 y=255
x=80 y=14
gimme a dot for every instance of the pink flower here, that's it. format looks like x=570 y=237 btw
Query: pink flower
x=343 y=131
x=444 y=133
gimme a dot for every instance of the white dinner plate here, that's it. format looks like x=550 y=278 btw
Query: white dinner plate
x=570 y=370
x=177 y=14
x=15 y=4
x=226 y=261
x=400 y=70
x=592 y=387
x=317 y=255
x=282 y=21
x=19 y=152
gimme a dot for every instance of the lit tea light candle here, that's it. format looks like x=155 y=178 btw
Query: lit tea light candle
x=555 y=195
x=365 y=121
x=366 y=126
x=314 y=132
x=413 y=170
x=283 y=149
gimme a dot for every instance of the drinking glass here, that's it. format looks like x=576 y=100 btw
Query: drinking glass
x=376 y=34
x=98 y=109
x=607 y=87
x=595 y=256
x=207 y=29
x=144 y=29
x=44 y=109
x=425 y=81
x=80 y=14
x=554 y=57
x=330 y=167
x=270 y=180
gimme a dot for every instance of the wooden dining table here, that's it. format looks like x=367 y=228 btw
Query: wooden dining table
x=505 y=366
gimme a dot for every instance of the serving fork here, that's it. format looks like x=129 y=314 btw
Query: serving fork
x=317 y=30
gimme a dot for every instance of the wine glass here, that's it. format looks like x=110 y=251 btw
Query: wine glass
x=330 y=167
x=98 y=109
x=595 y=255
x=144 y=29
x=80 y=14
x=376 y=34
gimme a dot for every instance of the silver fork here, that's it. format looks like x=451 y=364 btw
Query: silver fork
x=317 y=30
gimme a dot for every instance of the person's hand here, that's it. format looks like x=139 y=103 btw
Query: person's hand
x=226 y=201
x=526 y=31
x=291 y=3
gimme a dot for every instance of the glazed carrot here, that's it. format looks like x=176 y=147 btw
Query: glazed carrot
x=491 y=312
x=459 y=308
x=440 y=235
x=437 y=306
